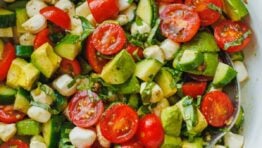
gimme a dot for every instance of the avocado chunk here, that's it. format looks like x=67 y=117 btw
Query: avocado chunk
x=210 y=62
x=147 y=69
x=119 y=69
x=171 y=119
x=22 y=74
x=224 y=75
x=69 y=47
x=197 y=143
x=201 y=124
x=202 y=42
x=171 y=142
x=46 y=60
x=167 y=78
x=190 y=59
x=235 y=9
x=131 y=86
x=22 y=100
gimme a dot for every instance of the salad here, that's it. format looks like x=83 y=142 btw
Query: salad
x=120 y=73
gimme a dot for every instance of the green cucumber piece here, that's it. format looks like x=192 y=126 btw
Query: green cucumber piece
x=69 y=47
x=147 y=69
x=2 y=47
x=7 y=95
x=17 y=4
x=224 y=75
x=21 y=17
x=22 y=100
x=51 y=131
x=28 y=127
x=235 y=9
x=134 y=101
x=8 y=18
x=24 y=51
x=210 y=61
x=145 y=11
x=190 y=59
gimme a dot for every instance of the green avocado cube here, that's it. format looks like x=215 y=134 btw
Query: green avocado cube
x=197 y=143
x=171 y=142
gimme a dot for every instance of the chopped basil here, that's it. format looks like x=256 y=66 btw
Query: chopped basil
x=190 y=112
x=215 y=8
x=87 y=27
x=238 y=41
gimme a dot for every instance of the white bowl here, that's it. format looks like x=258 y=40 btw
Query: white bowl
x=252 y=88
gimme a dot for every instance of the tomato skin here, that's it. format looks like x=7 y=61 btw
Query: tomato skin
x=103 y=10
x=119 y=123
x=82 y=111
x=150 y=131
x=229 y=31
x=109 y=38
x=133 y=143
x=217 y=108
x=171 y=1
x=41 y=38
x=207 y=15
x=132 y=49
x=179 y=22
x=70 y=67
x=57 y=16
x=194 y=89
x=6 y=61
x=97 y=63
x=9 y=115
x=14 y=143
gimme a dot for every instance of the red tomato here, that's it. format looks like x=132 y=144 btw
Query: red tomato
x=207 y=15
x=133 y=143
x=228 y=31
x=41 y=38
x=119 y=123
x=150 y=131
x=194 y=89
x=97 y=63
x=171 y=1
x=5 y=62
x=179 y=22
x=85 y=109
x=109 y=38
x=103 y=9
x=57 y=16
x=9 y=115
x=17 y=143
x=135 y=51
x=70 y=67
x=217 y=108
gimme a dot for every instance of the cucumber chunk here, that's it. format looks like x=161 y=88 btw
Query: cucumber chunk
x=224 y=75
x=190 y=59
x=7 y=95
x=28 y=127
x=22 y=100
x=145 y=11
x=8 y=18
x=147 y=69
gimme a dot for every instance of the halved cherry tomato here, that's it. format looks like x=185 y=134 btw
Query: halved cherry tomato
x=179 y=22
x=194 y=89
x=135 y=51
x=41 y=38
x=109 y=38
x=202 y=7
x=103 y=10
x=217 y=108
x=5 y=62
x=17 y=143
x=119 y=123
x=70 y=67
x=97 y=63
x=133 y=143
x=150 y=131
x=85 y=109
x=228 y=31
x=9 y=115
x=57 y=16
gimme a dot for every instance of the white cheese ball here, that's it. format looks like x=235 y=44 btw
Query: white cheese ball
x=81 y=137
x=38 y=114
x=34 y=6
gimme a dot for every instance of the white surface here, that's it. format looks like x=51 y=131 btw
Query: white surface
x=252 y=89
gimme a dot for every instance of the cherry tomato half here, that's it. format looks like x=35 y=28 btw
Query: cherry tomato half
x=194 y=89
x=109 y=38
x=150 y=131
x=41 y=38
x=228 y=31
x=217 y=108
x=202 y=7
x=17 y=143
x=6 y=60
x=9 y=115
x=57 y=16
x=70 y=67
x=85 y=109
x=97 y=63
x=135 y=51
x=179 y=22
x=103 y=9
x=133 y=143
x=119 y=123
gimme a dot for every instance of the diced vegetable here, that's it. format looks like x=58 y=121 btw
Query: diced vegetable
x=154 y=52
x=224 y=75
x=28 y=127
x=8 y=18
x=7 y=95
x=22 y=100
x=7 y=131
x=21 y=17
x=23 y=51
x=147 y=69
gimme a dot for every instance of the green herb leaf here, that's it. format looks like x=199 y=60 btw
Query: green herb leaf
x=87 y=27
x=190 y=112
x=147 y=92
x=215 y=8
x=238 y=41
